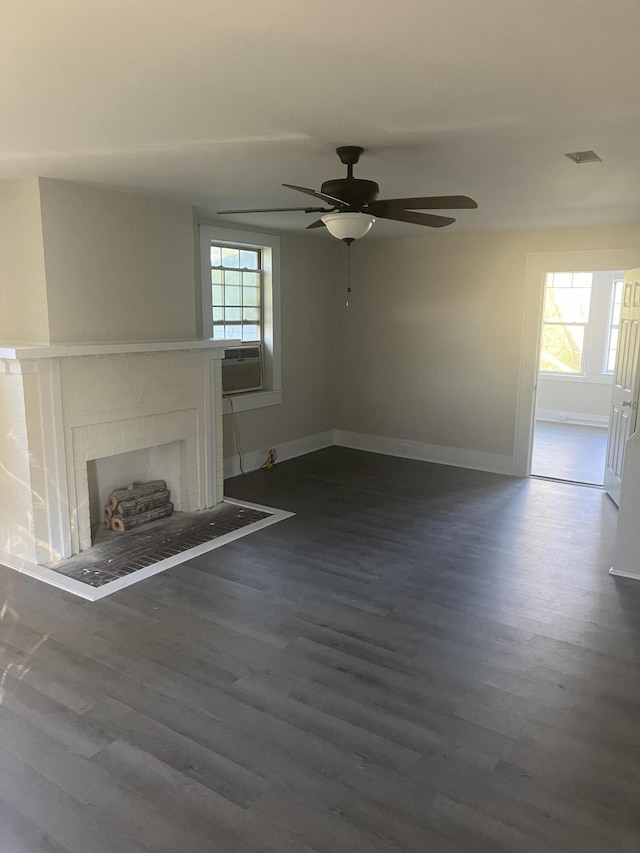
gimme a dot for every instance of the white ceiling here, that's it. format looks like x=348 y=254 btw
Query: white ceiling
x=217 y=103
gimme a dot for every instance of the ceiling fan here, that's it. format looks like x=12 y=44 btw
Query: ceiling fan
x=352 y=204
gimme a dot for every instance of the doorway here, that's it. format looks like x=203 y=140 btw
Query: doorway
x=578 y=344
x=539 y=264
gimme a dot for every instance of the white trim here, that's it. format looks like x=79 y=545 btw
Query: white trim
x=22 y=353
x=581 y=378
x=255 y=459
x=618 y=574
x=576 y=418
x=209 y=446
x=56 y=509
x=538 y=265
x=90 y=593
x=251 y=400
x=271 y=310
x=33 y=570
x=456 y=456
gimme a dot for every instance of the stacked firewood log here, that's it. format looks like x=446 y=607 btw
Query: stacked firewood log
x=136 y=505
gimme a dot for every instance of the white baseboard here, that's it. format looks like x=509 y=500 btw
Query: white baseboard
x=255 y=459
x=455 y=456
x=577 y=418
x=418 y=450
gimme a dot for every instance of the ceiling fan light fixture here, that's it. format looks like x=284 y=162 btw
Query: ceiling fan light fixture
x=348 y=226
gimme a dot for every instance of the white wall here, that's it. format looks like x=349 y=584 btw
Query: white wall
x=574 y=400
x=429 y=350
x=23 y=300
x=119 y=267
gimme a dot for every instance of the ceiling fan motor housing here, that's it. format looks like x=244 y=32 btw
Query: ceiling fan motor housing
x=355 y=192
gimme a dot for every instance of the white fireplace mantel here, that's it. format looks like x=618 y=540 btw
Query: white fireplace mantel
x=64 y=405
x=24 y=352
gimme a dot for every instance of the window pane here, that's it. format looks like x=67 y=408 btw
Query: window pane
x=251 y=333
x=230 y=258
x=582 y=279
x=561 y=350
x=251 y=296
x=232 y=296
x=615 y=317
x=559 y=279
x=251 y=279
x=236 y=293
x=614 y=336
x=567 y=305
x=249 y=259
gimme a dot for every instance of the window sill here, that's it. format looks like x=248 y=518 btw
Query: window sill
x=595 y=378
x=250 y=400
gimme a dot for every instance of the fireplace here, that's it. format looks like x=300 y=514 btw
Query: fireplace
x=79 y=413
x=106 y=474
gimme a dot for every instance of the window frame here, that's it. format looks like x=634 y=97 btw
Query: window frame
x=597 y=330
x=618 y=279
x=269 y=246
x=259 y=271
x=573 y=324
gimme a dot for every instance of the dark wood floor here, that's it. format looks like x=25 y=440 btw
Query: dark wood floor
x=569 y=452
x=423 y=659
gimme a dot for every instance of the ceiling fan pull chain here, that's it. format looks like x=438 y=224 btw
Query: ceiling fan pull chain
x=348 y=242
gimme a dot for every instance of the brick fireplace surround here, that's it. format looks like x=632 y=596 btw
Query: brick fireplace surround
x=69 y=404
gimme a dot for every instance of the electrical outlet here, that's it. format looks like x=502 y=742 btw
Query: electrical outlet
x=273 y=455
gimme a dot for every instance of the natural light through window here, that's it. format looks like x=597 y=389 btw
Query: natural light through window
x=614 y=324
x=580 y=327
x=567 y=302
x=236 y=293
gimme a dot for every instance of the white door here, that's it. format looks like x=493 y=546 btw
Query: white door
x=624 y=399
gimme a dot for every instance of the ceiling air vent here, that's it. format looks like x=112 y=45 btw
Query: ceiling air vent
x=584 y=157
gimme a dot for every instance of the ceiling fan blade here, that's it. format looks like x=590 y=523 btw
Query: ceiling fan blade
x=278 y=210
x=436 y=202
x=328 y=198
x=317 y=224
x=428 y=219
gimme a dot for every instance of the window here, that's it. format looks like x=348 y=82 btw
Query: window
x=567 y=301
x=580 y=324
x=236 y=293
x=614 y=324
x=240 y=281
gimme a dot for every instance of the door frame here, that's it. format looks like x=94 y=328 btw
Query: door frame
x=538 y=265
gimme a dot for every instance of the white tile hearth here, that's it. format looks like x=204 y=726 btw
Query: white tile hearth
x=125 y=559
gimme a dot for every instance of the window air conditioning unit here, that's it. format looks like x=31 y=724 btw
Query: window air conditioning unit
x=242 y=369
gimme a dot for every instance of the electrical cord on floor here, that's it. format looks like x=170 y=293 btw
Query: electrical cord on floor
x=237 y=433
